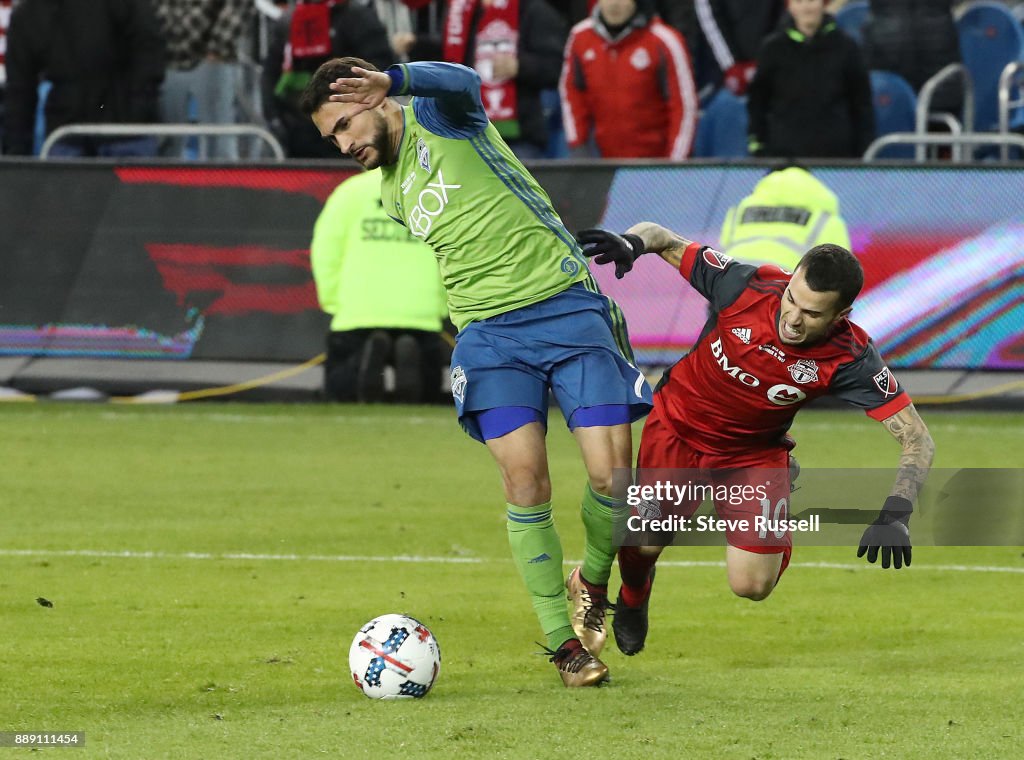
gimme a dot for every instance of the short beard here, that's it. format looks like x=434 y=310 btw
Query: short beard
x=381 y=143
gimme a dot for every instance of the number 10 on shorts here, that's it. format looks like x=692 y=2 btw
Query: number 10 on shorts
x=777 y=523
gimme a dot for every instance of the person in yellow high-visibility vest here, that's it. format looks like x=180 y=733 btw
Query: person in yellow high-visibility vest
x=383 y=290
x=789 y=212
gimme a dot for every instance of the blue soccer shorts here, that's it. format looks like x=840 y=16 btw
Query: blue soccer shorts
x=568 y=345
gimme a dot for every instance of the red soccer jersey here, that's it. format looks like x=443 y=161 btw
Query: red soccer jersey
x=739 y=387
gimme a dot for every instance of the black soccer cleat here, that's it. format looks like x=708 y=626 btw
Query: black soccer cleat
x=629 y=624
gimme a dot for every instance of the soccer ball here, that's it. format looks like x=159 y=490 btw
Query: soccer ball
x=394 y=656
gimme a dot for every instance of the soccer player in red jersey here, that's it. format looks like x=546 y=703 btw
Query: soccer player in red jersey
x=774 y=341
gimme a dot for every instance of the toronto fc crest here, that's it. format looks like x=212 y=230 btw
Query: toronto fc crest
x=804 y=371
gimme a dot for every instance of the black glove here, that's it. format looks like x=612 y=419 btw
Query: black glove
x=607 y=247
x=891 y=532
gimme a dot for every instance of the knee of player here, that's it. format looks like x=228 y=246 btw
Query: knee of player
x=526 y=487
x=601 y=482
x=754 y=589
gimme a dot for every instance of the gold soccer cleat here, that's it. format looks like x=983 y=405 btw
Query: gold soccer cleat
x=578 y=667
x=588 y=613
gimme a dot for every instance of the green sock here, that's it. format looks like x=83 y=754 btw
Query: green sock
x=598 y=518
x=538 y=555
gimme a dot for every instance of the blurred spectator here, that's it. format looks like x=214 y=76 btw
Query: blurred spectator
x=410 y=37
x=681 y=15
x=315 y=31
x=789 y=212
x=733 y=31
x=5 y=20
x=811 y=95
x=627 y=79
x=675 y=13
x=5 y=7
x=105 y=59
x=383 y=290
x=203 y=38
x=915 y=39
x=516 y=47
x=573 y=11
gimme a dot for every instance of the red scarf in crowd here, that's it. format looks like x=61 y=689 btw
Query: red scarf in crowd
x=309 y=33
x=5 y=20
x=497 y=33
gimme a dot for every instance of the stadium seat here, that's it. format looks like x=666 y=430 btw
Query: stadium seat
x=895 y=106
x=851 y=18
x=990 y=37
x=722 y=131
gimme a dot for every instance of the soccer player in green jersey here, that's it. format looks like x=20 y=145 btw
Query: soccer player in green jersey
x=531 y=319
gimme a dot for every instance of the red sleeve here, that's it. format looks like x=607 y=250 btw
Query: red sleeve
x=682 y=93
x=714 y=275
x=689 y=259
x=576 y=116
x=868 y=383
x=889 y=408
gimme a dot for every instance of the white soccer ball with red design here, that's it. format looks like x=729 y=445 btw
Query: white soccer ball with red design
x=393 y=657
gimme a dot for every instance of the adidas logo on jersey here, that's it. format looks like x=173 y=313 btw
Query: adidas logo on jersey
x=743 y=333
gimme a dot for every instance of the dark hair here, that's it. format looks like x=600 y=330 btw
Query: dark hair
x=318 y=90
x=830 y=267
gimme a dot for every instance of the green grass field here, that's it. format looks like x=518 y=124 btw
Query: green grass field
x=223 y=631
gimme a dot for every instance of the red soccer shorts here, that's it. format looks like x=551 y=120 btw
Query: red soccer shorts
x=750 y=488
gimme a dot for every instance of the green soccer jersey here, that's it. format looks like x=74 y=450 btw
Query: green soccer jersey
x=458 y=186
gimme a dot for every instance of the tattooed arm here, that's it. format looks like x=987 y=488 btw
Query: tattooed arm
x=661 y=240
x=890 y=532
x=907 y=427
x=623 y=250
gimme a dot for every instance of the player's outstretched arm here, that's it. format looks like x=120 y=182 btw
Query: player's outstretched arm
x=890 y=532
x=623 y=250
x=660 y=240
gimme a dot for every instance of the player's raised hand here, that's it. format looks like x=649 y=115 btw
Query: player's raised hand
x=366 y=88
x=609 y=248
x=890 y=532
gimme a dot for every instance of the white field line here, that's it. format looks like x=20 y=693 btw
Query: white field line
x=142 y=415
x=426 y=560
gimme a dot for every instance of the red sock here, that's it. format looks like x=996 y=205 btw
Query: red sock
x=571 y=645
x=595 y=589
x=635 y=569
